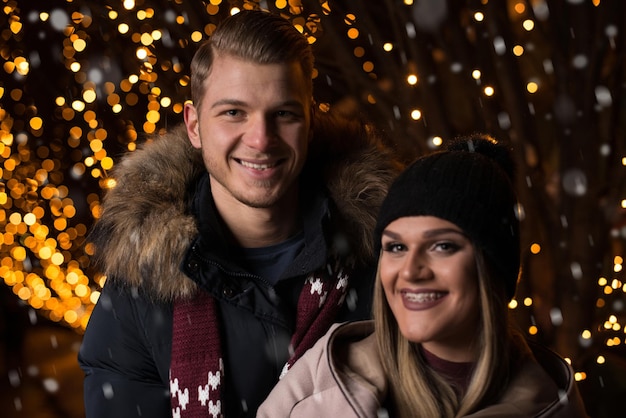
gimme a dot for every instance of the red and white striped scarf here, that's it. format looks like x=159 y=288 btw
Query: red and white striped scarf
x=197 y=367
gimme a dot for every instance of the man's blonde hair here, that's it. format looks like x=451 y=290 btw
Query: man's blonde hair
x=252 y=35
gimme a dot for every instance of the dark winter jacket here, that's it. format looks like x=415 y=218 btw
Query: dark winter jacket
x=341 y=376
x=160 y=238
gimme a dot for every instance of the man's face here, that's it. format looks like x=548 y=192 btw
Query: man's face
x=253 y=127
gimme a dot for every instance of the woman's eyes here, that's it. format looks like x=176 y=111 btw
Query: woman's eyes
x=394 y=247
x=441 y=246
x=445 y=246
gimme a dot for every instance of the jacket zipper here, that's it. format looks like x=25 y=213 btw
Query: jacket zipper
x=252 y=277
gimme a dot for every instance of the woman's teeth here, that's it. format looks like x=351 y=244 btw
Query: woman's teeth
x=422 y=297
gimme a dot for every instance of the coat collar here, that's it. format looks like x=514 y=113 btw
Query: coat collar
x=146 y=224
x=215 y=242
x=542 y=386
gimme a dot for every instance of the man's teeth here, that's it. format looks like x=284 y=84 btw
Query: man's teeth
x=422 y=297
x=256 y=166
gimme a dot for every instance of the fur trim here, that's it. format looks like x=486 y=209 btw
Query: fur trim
x=357 y=170
x=145 y=226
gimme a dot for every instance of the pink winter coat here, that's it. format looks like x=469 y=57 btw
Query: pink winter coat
x=341 y=377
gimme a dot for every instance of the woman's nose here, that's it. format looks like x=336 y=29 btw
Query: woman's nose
x=416 y=267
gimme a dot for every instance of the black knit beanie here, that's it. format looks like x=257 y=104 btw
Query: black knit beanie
x=470 y=185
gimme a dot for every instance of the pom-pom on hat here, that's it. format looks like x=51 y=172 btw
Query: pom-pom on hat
x=471 y=185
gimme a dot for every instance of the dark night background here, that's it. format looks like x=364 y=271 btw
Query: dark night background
x=548 y=76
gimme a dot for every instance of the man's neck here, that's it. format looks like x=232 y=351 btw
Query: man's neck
x=260 y=227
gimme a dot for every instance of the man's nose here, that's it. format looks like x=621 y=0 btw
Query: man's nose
x=260 y=134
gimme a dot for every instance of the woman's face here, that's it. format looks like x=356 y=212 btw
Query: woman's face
x=428 y=272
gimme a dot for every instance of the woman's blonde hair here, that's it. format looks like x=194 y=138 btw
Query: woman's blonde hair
x=420 y=392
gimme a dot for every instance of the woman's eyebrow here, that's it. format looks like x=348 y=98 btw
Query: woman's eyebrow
x=430 y=233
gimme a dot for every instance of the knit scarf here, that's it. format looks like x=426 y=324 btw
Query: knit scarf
x=197 y=368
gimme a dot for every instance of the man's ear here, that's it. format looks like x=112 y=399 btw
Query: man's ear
x=192 y=123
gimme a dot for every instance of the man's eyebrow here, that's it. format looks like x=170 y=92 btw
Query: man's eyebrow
x=228 y=102
x=239 y=103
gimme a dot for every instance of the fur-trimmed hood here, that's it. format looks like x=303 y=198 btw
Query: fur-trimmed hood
x=146 y=227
